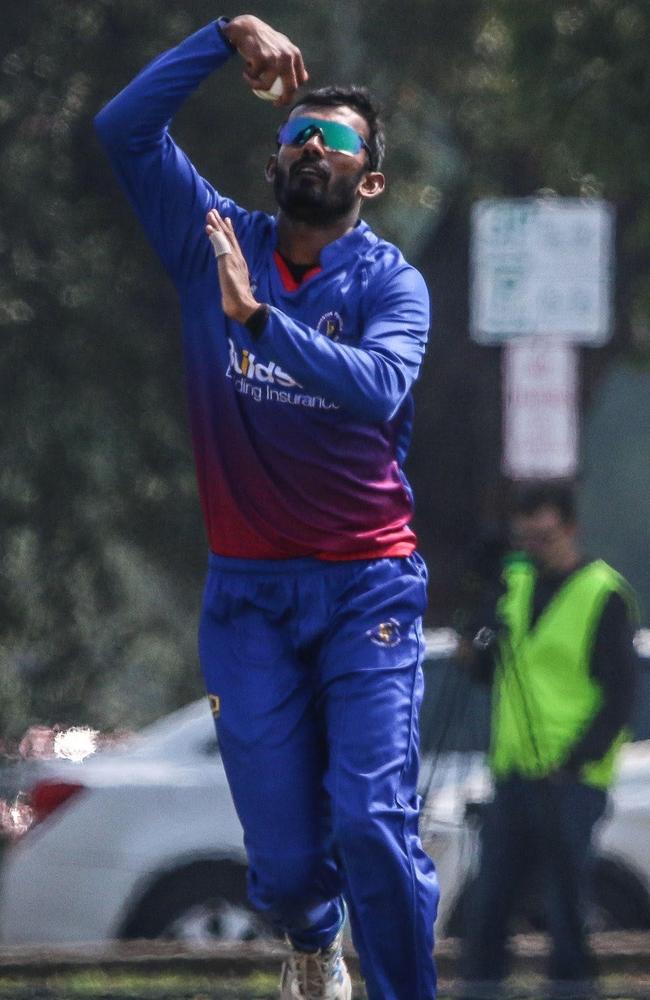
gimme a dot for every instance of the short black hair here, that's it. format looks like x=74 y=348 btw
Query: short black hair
x=558 y=494
x=361 y=101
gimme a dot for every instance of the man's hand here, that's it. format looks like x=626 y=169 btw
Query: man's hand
x=268 y=54
x=237 y=298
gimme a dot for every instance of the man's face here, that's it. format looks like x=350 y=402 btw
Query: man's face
x=317 y=185
x=546 y=538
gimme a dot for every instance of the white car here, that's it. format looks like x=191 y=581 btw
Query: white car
x=144 y=841
x=622 y=887
x=129 y=841
x=139 y=841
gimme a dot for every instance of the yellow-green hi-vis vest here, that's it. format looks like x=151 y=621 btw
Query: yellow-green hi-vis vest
x=544 y=696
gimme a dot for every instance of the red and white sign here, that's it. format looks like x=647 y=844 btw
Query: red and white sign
x=540 y=409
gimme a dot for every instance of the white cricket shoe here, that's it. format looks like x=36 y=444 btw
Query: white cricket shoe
x=316 y=975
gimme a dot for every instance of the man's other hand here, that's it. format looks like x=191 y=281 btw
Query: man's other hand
x=237 y=299
x=268 y=54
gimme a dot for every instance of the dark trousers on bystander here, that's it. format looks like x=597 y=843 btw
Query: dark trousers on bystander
x=534 y=829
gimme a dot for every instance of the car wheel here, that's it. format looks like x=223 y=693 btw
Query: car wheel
x=199 y=903
x=619 y=900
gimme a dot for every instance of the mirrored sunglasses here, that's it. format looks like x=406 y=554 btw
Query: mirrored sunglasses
x=336 y=136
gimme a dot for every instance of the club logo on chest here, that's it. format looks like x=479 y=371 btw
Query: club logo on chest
x=331 y=325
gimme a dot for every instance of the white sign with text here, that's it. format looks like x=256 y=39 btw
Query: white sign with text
x=541 y=266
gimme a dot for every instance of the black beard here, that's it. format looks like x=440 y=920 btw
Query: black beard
x=319 y=203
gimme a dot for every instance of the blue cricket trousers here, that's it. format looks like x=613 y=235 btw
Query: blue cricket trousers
x=317 y=667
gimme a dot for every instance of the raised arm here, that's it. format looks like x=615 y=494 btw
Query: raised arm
x=166 y=192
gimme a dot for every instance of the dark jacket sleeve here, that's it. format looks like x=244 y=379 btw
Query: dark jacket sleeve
x=614 y=665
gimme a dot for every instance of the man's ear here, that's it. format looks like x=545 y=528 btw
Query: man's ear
x=372 y=184
x=269 y=171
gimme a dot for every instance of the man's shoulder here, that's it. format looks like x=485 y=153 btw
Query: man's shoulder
x=598 y=569
x=382 y=251
x=620 y=592
x=386 y=262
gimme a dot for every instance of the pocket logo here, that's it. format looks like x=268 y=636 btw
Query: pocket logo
x=385 y=634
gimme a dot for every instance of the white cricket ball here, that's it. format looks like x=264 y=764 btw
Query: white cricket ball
x=275 y=90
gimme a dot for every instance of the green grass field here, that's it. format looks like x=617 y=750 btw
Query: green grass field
x=154 y=986
x=99 y=985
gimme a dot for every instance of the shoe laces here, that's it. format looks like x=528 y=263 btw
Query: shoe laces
x=314 y=971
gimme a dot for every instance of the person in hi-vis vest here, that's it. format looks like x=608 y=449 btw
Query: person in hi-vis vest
x=557 y=647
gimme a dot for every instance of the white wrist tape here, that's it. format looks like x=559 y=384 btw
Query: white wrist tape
x=219 y=243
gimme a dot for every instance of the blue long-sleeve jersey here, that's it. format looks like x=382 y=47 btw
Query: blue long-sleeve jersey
x=299 y=436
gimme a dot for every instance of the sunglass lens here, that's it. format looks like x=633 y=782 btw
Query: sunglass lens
x=336 y=136
x=341 y=137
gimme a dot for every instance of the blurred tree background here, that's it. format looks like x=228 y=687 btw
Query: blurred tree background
x=101 y=544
